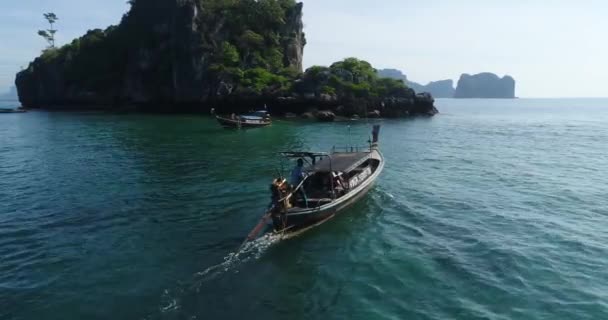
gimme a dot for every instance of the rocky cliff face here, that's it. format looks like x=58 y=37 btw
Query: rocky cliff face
x=295 y=40
x=441 y=88
x=168 y=52
x=194 y=55
x=485 y=85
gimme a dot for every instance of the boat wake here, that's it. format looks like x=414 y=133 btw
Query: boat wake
x=253 y=250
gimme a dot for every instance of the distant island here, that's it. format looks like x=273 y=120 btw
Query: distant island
x=483 y=85
x=195 y=55
x=438 y=89
x=11 y=95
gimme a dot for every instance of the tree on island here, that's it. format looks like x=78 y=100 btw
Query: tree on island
x=49 y=34
x=352 y=78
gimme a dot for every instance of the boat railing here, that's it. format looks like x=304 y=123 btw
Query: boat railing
x=351 y=149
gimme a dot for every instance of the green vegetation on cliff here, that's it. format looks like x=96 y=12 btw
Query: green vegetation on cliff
x=167 y=50
x=350 y=78
x=49 y=34
x=173 y=55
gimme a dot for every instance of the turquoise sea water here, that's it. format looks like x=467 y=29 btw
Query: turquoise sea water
x=494 y=209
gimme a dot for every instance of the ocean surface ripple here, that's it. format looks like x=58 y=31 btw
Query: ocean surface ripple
x=491 y=210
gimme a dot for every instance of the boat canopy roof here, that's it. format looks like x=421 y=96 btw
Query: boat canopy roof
x=340 y=162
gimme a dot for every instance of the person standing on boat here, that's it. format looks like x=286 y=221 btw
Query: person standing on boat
x=297 y=175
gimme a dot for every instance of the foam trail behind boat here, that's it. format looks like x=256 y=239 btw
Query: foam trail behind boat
x=250 y=250
x=253 y=250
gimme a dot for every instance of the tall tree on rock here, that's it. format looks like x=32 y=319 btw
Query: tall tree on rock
x=49 y=34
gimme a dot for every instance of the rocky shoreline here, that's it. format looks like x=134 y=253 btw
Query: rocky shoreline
x=393 y=107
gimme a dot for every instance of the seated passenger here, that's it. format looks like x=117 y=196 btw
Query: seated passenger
x=326 y=186
x=340 y=185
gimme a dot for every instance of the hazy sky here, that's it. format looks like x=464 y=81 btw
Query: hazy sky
x=553 y=48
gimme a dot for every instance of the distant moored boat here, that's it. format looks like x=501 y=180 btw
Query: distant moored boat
x=252 y=120
x=4 y=110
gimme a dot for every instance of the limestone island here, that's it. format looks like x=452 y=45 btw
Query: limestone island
x=198 y=55
x=482 y=85
x=485 y=85
x=438 y=89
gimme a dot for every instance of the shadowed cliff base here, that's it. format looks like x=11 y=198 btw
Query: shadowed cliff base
x=194 y=55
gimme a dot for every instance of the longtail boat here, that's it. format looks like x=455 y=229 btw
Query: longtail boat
x=331 y=182
x=251 y=120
